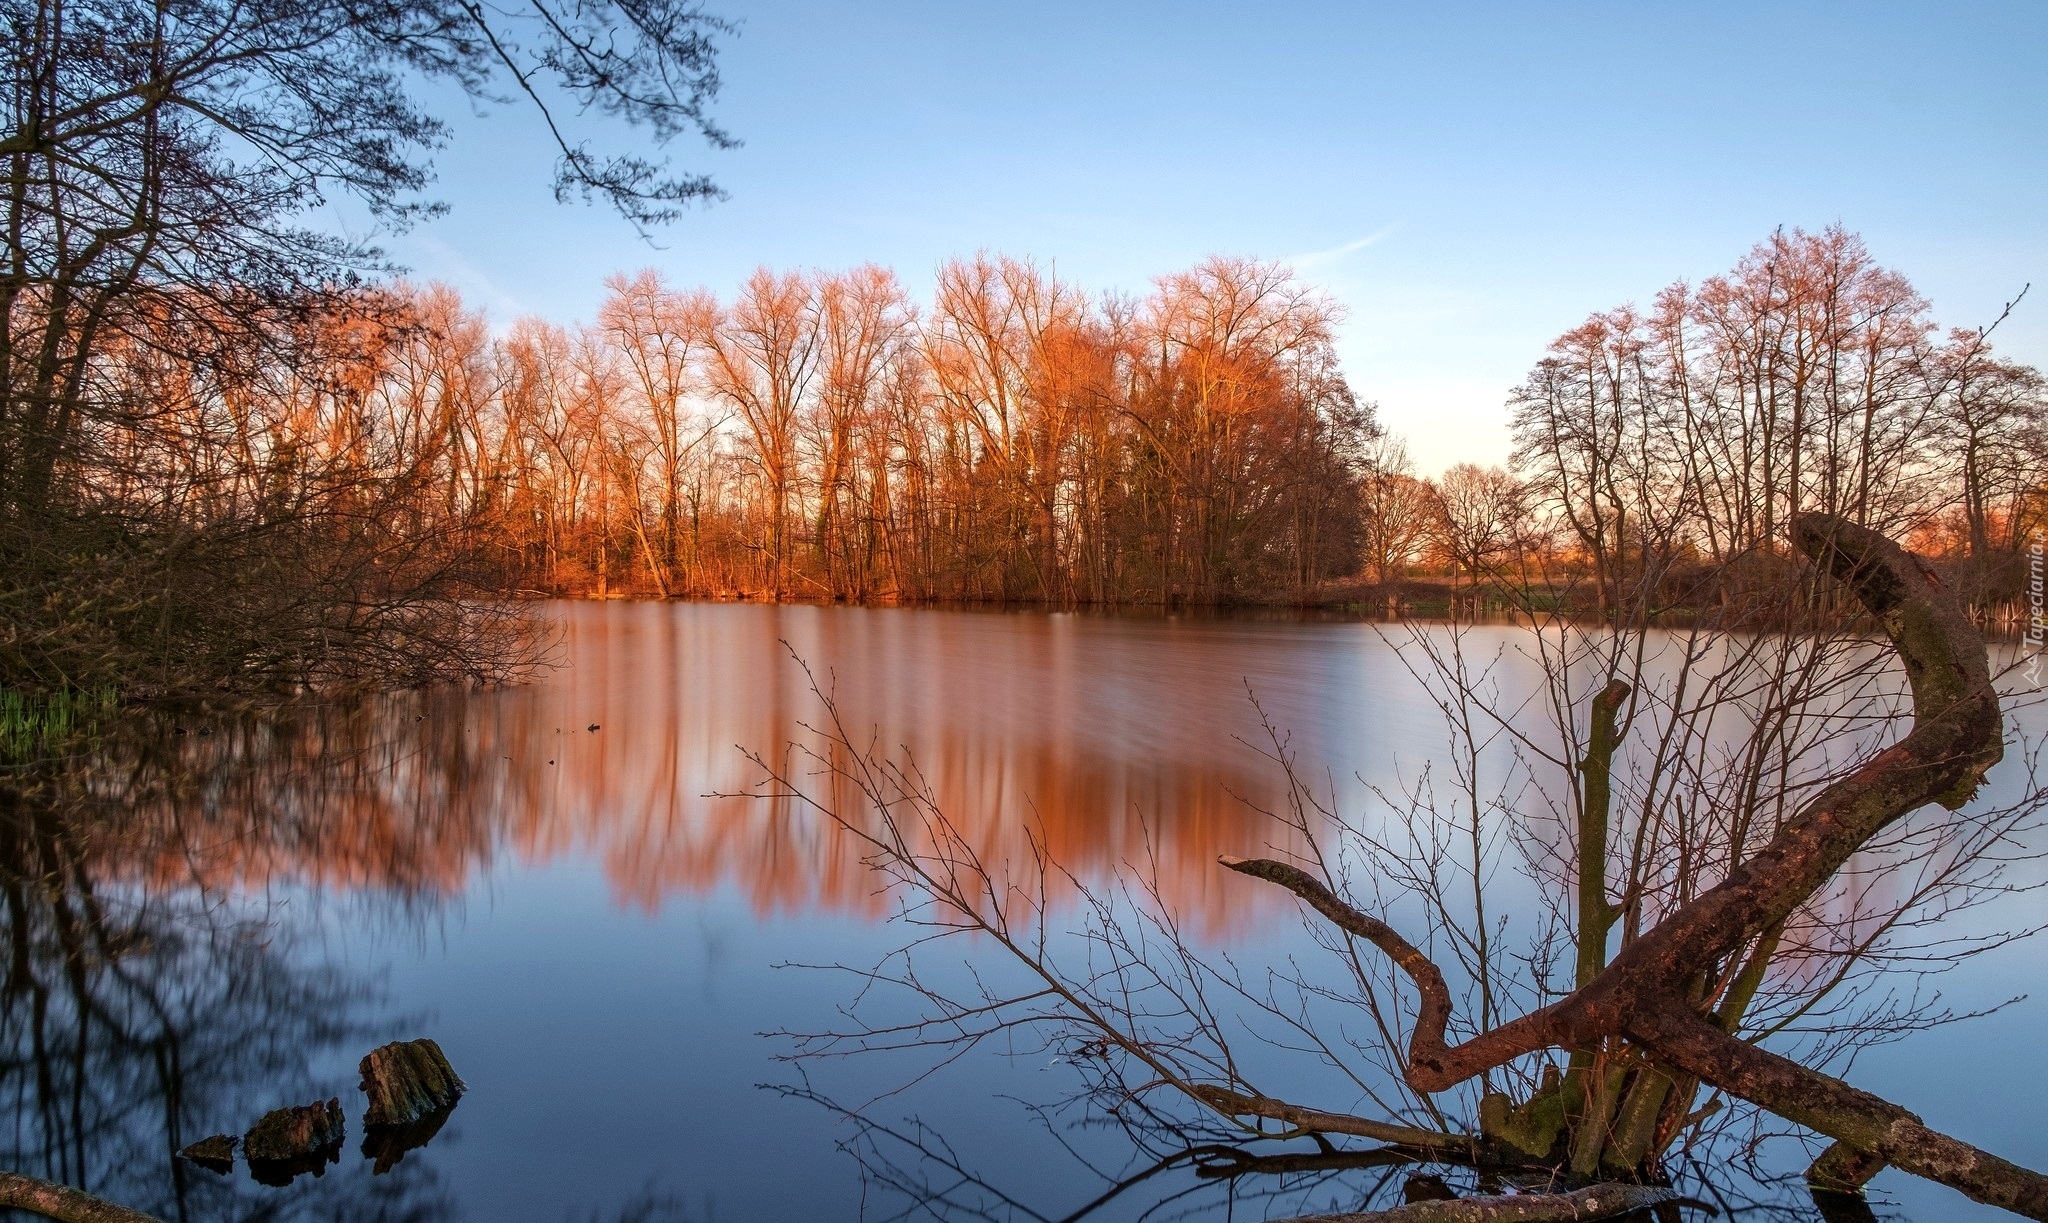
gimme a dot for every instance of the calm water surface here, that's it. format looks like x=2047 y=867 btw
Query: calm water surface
x=545 y=880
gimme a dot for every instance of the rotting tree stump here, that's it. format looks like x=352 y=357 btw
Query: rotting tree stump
x=289 y=1141
x=408 y=1081
x=288 y=1133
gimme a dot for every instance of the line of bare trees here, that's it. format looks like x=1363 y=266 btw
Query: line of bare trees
x=819 y=436
x=193 y=498
x=1681 y=439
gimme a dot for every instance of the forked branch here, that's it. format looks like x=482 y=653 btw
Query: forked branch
x=1956 y=737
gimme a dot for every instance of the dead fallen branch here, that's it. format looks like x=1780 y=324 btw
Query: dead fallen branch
x=1642 y=994
x=54 y=1201
x=1593 y=1202
x=1315 y=1121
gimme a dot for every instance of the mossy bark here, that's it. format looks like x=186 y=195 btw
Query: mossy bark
x=1843 y=1169
x=1596 y=912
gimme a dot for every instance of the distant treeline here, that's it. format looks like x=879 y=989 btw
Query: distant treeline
x=1660 y=453
x=817 y=436
x=820 y=436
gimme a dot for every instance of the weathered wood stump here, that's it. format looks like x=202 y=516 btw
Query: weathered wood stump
x=289 y=1141
x=287 y=1133
x=215 y=1154
x=407 y=1081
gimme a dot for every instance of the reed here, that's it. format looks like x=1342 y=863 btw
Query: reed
x=35 y=725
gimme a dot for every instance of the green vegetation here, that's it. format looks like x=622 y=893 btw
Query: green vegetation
x=35 y=726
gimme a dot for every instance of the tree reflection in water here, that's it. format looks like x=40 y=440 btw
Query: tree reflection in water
x=166 y=899
x=136 y=1017
x=1187 y=1168
x=167 y=906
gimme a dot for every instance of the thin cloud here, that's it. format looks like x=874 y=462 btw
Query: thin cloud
x=1335 y=253
x=440 y=261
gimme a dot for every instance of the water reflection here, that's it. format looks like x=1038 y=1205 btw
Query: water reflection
x=1064 y=728
x=174 y=917
x=911 y=1168
x=135 y=1019
x=385 y=1146
x=1069 y=725
x=168 y=904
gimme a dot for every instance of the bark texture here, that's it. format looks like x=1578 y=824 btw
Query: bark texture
x=286 y=1134
x=54 y=1201
x=1843 y=1169
x=407 y=1081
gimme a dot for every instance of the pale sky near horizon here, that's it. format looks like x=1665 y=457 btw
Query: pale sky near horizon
x=1469 y=180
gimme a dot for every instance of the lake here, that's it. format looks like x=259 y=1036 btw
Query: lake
x=568 y=886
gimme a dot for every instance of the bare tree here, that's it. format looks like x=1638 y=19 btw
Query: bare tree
x=763 y=361
x=663 y=336
x=157 y=271
x=1396 y=509
x=863 y=320
x=1478 y=512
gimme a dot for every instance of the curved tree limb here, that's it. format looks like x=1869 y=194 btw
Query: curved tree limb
x=1435 y=1011
x=1956 y=737
x=1826 y=1105
x=1430 y=1060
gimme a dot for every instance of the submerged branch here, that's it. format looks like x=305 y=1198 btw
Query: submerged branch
x=1829 y=1106
x=1593 y=1202
x=1315 y=1121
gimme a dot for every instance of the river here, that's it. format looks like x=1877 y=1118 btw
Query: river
x=568 y=886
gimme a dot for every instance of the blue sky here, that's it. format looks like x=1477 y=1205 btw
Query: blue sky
x=1470 y=180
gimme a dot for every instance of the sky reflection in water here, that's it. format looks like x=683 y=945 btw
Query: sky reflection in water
x=591 y=936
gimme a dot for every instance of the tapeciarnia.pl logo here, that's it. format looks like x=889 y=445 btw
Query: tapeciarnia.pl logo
x=2037 y=610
